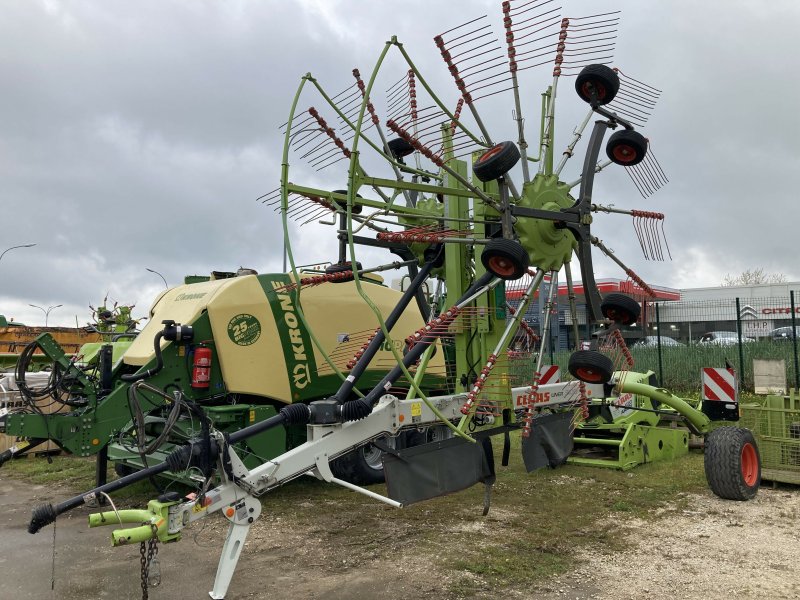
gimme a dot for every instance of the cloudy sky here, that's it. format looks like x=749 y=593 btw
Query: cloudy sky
x=138 y=135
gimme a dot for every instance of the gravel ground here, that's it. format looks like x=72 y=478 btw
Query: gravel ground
x=712 y=550
x=716 y=549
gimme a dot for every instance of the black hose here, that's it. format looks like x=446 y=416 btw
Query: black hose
x=177 y=460
x=296 y=414
x=355 y=410
x=130 y=378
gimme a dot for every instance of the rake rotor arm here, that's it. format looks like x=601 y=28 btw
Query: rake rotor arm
x=363 y=362
x=485 y=282
x=447 y=111
x=581 y=230
x=628 y=271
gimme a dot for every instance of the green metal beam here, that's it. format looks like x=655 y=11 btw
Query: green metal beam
x=694 y=416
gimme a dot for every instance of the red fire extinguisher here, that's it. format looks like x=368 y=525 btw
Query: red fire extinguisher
x=201 y=368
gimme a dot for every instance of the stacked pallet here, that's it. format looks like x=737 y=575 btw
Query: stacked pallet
x=11 y=399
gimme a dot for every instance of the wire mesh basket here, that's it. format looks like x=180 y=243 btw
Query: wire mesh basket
x=775 y=421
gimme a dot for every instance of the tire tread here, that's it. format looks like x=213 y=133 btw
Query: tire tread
x=722 y=462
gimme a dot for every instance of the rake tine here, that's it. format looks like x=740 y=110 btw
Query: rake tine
x=325 y=166
x=304 y=138
x=664 y=237
x=268 y=195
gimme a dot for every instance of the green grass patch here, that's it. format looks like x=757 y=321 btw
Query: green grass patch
x=681 y=366
x=70 y=471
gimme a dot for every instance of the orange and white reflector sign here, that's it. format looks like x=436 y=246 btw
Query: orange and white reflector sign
x=720 y=385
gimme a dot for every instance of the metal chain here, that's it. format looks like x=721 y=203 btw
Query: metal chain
x=154 y=569
x=53 y=564
x=148 y=551
x=143 y=561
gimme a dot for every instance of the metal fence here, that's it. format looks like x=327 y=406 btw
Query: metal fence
x=677 y=339
x=717 y=333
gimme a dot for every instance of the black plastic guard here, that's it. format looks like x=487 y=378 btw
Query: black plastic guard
x=549 y=443
x=437 y=469
x=716 y=410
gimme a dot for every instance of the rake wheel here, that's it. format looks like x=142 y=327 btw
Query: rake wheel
x=428 y=184
x=597 y=84
x=591 y=366
x=620 y=308
x=626 y=148
x=496 y=162
x=505 y=258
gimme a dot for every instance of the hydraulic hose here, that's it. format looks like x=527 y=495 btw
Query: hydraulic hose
x=130 y=378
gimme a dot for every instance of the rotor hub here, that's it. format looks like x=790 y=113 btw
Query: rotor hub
x=548 y=246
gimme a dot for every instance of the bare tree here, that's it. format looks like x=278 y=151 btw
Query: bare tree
x=754 y=277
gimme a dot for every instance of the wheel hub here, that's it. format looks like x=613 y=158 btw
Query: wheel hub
x=549 y=247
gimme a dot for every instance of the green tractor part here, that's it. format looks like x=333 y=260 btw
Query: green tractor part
x=632 y=422
x=251 y=332
x=651 y=424
x=153 y=523
x=629 y=429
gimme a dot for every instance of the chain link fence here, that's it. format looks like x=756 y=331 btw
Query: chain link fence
x=680 y=338
x=677 y=339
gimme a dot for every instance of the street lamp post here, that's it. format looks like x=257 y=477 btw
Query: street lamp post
x=159 y=274
x=46 y=312
x=13 y=247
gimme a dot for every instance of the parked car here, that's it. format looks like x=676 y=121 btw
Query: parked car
x=782 y=334
x=651 y=341
x=723 y=338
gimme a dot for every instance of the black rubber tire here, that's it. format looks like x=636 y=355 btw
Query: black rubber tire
x=400 y=148
x=732 y=463
x=600 y=77
x=626 y=147
x=361 y=466
x=339 y=267
x=496 y=161
x=505 y=258
x=620 y=308
x=591 y=366
x=357 y=208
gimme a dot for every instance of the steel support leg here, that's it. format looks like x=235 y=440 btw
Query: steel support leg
x=241 y=514
x=101 y=467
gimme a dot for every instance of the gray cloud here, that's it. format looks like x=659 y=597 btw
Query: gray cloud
x=138 y=135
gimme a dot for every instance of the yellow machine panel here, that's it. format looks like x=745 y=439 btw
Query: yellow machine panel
x=259 y=339
x=252 y=360
x=182 y=304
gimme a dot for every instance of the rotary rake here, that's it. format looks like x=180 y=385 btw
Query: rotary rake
x=478 y=225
